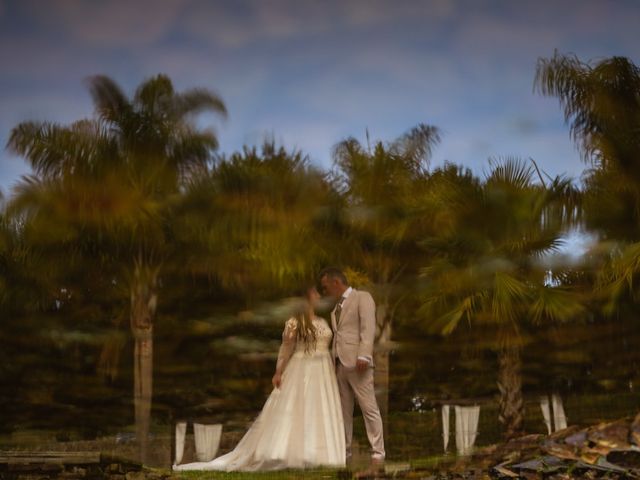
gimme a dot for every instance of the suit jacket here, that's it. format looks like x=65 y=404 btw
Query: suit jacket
x=354 y=334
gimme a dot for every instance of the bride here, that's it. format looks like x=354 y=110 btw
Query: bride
x=300 y=425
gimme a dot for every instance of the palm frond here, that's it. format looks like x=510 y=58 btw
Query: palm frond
x=155 y=95
x=197 y=100
x=417 y=144
x=510 y=172
x=618 y=277
x=53 y=150
x=540 y=245
x=600 y=103
x=110 y=101
x=442 y=318
x=556 y=304
x=509 y=296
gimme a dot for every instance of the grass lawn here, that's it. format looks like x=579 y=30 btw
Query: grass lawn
x=280 y=475
x=391 y=469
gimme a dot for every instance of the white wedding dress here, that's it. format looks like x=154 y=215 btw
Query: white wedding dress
x=300 y=425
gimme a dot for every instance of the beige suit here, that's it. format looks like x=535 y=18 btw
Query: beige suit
x=353 y=337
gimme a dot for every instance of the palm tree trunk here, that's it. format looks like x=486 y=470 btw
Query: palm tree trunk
x=381 y=362
x=510 y=387
x=142 y=387
x=143 y=309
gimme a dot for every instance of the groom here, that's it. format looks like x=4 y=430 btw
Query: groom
x=353 y=320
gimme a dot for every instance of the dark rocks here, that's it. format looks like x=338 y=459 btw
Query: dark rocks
x=72 y=466
x=606 y=450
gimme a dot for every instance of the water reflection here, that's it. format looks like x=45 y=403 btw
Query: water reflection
x=206 y=441
x=442 y=394
x=553 y=413
x=466 y=424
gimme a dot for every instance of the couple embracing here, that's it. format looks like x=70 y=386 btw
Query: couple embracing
x=321 y=371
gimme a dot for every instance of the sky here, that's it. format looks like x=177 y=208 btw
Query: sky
x=310 y=73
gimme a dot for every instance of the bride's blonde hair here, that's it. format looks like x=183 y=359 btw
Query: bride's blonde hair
x=304 y=318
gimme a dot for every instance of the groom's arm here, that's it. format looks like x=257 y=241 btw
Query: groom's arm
x=367 y=313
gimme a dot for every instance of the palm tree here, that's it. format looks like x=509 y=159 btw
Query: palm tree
x=377 y=235
x=268 y=206
x=601 y=103
x=486 y=264
x=106 y=188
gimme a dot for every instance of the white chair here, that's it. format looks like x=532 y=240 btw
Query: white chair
x=207 y=440
x=553 y=413
x=466 y=427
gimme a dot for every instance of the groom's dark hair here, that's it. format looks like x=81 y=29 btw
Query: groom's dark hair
x=333 y=272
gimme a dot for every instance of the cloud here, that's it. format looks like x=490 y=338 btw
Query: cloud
x=32 y=60
x=109 y=23
x=236 y=25
x=491 y=37
x=524 y=126
x=185 y=65
x=381 y=88
x=230 y=26
x=489 y=44
x=376 y=12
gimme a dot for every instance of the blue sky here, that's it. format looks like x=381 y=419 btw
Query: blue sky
x=310 y=73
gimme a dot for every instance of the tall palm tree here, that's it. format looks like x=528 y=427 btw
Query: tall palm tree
x=106 y=188
x=377 y=235
x=486 y=264
x=601 y=104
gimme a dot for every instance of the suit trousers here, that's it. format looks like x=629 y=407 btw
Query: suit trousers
x=354 y=385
